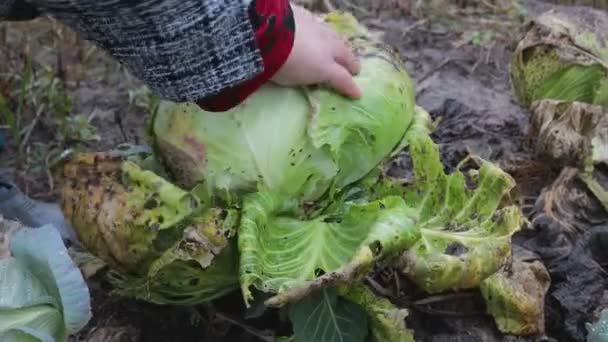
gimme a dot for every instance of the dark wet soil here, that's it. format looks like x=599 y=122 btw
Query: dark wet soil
x=462 y=84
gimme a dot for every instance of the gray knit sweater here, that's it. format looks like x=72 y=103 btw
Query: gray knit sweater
x=184 y=50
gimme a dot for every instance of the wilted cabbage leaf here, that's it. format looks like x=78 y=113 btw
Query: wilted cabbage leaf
x=515 y=295
x=386 y=321
x=465 y=232
x=575 y=134
x=564 y=56
x=161 y=243
x=43 y=296
x=570 y=133
x=596 y=179
x=299 y=142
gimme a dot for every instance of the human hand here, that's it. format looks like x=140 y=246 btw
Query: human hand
x=319 y=55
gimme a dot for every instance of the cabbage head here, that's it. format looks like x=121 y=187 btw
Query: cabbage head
x=285 y=194
x=564 y=56
x=300 y=142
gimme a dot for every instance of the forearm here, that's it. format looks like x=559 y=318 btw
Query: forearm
x=184 y=50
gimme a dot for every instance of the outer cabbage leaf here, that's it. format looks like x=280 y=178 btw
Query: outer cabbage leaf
x=564 y=56
x=465 y=234
x=516 y=296
x=160 y=242
x=386 y=321
x=279 y=252
x=326 y=317
x=43 y=296
x=598 y=332
x=118 y=209
x=261 y=144
x=181 y=282
x=299 y=142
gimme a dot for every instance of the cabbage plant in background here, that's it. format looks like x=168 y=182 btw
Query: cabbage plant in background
x=43 y=296
x=560 y=72
x=286 y=195
x=563 y=57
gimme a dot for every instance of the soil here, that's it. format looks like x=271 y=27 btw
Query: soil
x=461 y=82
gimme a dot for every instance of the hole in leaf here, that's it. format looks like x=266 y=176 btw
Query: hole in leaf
x=376 y=247
x=456 y=249
x=151 y=203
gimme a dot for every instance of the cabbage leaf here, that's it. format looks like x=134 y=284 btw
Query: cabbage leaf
x=43 y=295
x=161 y=243
x=515 y=296
x=465 y=229
x=327 y=317
x=385 y=320
x=453 y=237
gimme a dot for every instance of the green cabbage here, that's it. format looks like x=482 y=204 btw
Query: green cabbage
x=285 y=193
x=299 y=142
x=450 y=237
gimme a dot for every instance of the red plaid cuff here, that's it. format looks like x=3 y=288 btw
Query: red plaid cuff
x=274 y=27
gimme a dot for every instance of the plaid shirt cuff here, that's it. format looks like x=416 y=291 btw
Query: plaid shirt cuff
x=274 y=27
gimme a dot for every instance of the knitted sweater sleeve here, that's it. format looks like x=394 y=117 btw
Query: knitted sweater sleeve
x=213 y=52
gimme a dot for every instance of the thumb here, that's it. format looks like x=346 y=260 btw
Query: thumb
x=343 y=82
